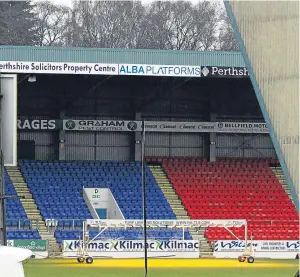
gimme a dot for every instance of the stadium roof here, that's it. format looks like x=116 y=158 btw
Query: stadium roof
x=132 y=56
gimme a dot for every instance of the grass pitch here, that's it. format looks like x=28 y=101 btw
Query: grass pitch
x=161 y=268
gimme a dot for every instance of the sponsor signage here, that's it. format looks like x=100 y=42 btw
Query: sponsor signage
x=38 y=124
x=227 y=72
x=258 y=246
x=134 y=246
x=123 y=69
x=164 y=126
x=160 y=70
x=101 y=125
x=58 y=68
x=151 y=126
x=241 y=127
x=164 y=223
x=168 y=126
x=33 y=245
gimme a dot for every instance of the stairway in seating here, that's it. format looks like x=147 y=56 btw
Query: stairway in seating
x=31 y=208
x=179 y=210
x=280 y=176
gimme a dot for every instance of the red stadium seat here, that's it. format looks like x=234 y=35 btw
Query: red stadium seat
x=234 y=188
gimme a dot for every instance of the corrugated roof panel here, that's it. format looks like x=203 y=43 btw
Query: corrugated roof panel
x=133 y=56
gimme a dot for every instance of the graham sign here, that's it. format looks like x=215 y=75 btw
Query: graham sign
x=135 y=248
x=101 y=125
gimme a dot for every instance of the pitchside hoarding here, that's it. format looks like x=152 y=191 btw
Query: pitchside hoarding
x=38 y=247
x=135 y=248
x=262 y=249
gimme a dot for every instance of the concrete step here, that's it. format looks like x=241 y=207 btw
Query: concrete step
x=177 y=206
x=166 y=185
x=184 y=213
x=14 y=173
x=173 y=197
x=183 y=217
x=23 y=190
x=34 y=215
x=22 y=183
x=174 y=202
x=17 y=179
x=164 y=182
x=168 y=189
x=26 y=196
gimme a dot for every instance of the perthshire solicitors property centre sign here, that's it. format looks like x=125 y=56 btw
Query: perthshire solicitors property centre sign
x=59 y=68
x=122 y=69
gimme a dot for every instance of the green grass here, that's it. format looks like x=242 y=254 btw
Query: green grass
x=46 y=268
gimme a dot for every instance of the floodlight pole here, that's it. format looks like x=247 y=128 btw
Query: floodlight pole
x=144 y=198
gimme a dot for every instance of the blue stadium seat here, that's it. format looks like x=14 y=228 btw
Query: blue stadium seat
x=15 y=214
x=57 y=189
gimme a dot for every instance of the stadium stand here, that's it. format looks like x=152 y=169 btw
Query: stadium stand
x=16 y=218
x=23 y=234
x=15 y=213
x=234 y=189
x=57 y=189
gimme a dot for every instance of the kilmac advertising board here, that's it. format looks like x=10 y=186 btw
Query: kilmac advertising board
x=135 y=248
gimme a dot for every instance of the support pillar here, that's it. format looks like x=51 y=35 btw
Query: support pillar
x=138 y=140
x=62 y=140
x=212 y=141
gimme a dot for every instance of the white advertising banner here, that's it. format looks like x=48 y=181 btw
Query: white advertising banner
x=160 y=70
x=167 y=70
x=135 y=248
x=101 y=125
x=59 y=68
x=241 y=127
x=183 y=127
x=263 y=249
x=164 y=126
x=167 y=223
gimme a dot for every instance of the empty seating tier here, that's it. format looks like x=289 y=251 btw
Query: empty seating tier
x=23 y=234
x=234 y=189
x=16 y=217
x=57 y=189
